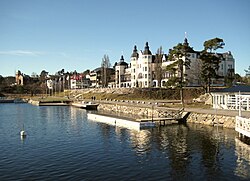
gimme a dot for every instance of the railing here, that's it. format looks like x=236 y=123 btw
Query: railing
x=243 y=101
x=242 y=125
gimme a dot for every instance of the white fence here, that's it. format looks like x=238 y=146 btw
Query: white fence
x=242 y=126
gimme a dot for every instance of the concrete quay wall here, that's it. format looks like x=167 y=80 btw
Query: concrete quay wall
x=193 y=117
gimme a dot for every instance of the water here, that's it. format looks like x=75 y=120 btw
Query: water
x=61 y=144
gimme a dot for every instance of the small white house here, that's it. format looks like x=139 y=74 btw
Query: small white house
x=232 y=98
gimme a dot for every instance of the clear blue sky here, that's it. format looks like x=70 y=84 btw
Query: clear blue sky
x=49 y=35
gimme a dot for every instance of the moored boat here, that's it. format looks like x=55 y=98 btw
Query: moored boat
x=86 y=105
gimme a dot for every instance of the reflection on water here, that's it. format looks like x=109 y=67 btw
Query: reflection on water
x=140 y=141
x=242 y=151
x=63 y=145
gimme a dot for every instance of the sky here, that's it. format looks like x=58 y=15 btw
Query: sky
x=51 y=35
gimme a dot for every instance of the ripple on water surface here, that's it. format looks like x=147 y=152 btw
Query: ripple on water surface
x=63 y=145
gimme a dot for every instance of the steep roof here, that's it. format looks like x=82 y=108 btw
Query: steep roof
x=237 y=88
x=122 y=62
x=135 y=54
x=187 y=47
x=146 y=50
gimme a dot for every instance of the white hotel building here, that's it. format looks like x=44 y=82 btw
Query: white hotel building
x=141 y=71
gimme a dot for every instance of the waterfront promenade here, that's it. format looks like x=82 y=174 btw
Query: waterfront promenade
x=160 y=104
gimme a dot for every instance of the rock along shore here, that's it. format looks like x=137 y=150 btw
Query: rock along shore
x=142 y=110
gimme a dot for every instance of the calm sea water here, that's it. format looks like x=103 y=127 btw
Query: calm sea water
x=62 y=144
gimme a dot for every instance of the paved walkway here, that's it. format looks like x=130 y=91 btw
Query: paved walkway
x=219 y=112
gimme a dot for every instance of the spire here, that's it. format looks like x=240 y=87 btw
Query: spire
x=146 y=50
x=122 y=59
x=186 y=40
x=186 y=45
x=134 y=54
x=122 y=63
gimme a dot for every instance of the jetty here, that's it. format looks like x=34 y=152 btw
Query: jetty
x=49 y=103
x=177 y=116
x=121 y=122
x=12 y=100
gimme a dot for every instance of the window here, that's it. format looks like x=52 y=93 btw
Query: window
x=146 y=76
x=146 y=83
x=145 y=69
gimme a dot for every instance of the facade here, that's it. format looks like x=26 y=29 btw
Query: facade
x=122 y=74
x=97 y=77
x=79 y=81
x=19 y=78
x=232 y=98
x=143 y=68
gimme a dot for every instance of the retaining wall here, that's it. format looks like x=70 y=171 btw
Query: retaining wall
x=136 y=111
x=132 y=111
x=212 y=120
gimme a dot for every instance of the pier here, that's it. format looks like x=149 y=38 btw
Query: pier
x=121 y=122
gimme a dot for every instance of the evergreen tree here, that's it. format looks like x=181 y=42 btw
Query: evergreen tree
x=179 y=55
x=210 y=61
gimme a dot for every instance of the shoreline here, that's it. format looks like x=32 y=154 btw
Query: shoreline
x=155 y=108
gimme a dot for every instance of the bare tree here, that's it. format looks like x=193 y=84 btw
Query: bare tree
x=194 y=73
x=104 y=70
x=158 y=66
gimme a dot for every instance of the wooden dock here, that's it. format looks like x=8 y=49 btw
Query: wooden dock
x=174 y=117
x=160 y=121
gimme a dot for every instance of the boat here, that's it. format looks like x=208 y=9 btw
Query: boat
x=85 y=105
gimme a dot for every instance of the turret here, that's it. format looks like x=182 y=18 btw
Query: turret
x=146 y=50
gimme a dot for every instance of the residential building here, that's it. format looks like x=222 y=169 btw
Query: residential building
x=122 y=74
x=19 y=78
x=193 y=72
x=80 y=81
x=143 y=67
x=98 y=75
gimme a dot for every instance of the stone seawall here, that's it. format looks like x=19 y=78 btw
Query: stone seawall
x=132 y=111
x=140 y=111
x=212 y=120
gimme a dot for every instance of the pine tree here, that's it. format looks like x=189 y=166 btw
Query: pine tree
x=210 y=61
x=179 y=55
